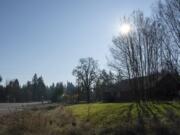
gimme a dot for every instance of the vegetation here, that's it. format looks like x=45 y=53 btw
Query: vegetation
x=86 y=73
x=145 y=63
x=131 y=118
x=98 y=119
x=35 y=90
x=47 y=121
x=141 y=57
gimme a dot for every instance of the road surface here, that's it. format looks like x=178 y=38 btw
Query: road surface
x=10 y=107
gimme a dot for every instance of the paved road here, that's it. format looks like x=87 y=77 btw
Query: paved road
x=9 y=107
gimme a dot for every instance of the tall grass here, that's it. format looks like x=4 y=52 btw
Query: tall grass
x=53 y=122
x=96 y=119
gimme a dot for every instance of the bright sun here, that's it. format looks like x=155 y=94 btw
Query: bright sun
x=125 y=29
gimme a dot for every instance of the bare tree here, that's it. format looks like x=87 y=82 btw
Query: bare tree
x=167 y=14
x=137 y=54
x=86 y=73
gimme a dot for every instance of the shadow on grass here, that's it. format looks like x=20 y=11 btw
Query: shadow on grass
x=129 y=113
x=167 y=124
x=173 y=106
x=158 y=110
x=151 y=120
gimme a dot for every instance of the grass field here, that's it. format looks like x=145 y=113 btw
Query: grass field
x=112 y=113
x=95 y=119
x=145 y=118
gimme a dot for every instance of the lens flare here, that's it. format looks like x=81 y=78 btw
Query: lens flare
x=125 y=29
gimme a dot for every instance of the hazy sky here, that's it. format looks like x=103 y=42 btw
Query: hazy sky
x=48 y=37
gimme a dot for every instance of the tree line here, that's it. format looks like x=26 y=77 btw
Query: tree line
x=89 y=88
x=34 y=90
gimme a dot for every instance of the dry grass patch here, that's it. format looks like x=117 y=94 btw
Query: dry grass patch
x=42 y=122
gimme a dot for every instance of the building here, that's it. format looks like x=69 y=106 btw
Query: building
x=161 y=87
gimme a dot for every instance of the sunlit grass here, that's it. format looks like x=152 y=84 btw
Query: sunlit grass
x=100 y=113
x=114 y=113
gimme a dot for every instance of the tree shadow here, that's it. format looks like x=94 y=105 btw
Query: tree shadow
x=150 y=110
x=144 y=109
x=158 y=110
x=140 y=123
x=129 y=113
x=173 y=106
x=126 y=114
x=147 y=116
x=171 y=113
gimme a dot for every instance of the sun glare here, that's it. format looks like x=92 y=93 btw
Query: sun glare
x=125 y=29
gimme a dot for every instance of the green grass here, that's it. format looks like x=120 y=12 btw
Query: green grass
x=102 y=114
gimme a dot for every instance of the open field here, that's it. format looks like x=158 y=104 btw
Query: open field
x=113 y=113
x=11 y=107
x=95 y=119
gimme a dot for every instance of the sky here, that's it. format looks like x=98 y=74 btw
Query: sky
x=48 y=37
